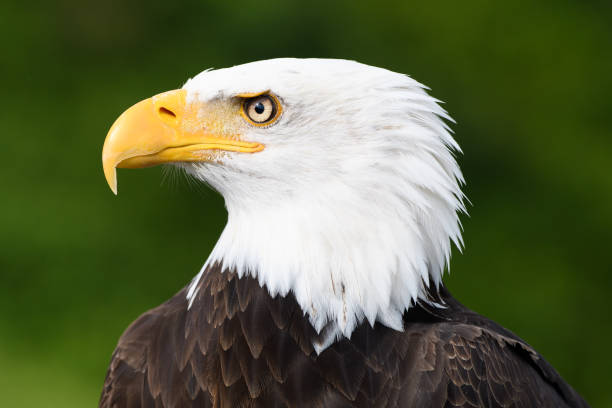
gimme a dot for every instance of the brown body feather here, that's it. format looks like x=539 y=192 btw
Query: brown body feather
x=238 y=347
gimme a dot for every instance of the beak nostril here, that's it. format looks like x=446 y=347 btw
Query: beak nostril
x=166 y=113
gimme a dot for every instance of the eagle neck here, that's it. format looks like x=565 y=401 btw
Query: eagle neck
x=343 y=260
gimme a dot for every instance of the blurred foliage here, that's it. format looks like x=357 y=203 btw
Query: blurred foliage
x=528 y=82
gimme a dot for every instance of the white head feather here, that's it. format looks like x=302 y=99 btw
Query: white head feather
x=353 y=203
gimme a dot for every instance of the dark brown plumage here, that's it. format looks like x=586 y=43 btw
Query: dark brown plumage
x=238 y=347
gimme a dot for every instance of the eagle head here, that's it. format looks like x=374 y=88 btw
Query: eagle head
x=339 y=179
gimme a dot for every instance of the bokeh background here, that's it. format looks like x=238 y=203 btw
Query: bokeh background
x=529 y=84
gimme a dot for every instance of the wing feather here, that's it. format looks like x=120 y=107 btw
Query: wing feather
x=239 y=347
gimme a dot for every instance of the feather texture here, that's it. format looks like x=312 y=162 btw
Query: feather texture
x=357 y=175
x=239 y=347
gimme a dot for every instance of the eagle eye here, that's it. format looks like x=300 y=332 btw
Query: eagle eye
x=261 y=109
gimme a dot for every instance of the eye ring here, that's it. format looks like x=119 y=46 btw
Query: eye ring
x=261 y=110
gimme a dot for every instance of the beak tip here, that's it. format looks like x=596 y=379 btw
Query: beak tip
x=111 y=178
x=113 y=186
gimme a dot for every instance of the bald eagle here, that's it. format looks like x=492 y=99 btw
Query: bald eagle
x=325 y=287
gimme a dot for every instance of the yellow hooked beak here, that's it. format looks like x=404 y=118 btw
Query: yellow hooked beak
x=163 y=129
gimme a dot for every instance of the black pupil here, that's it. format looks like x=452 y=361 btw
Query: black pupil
x=259 y=108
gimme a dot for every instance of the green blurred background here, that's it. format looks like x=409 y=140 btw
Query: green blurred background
x=529 y=84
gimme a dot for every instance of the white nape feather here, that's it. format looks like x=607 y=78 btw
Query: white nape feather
x=352 y=205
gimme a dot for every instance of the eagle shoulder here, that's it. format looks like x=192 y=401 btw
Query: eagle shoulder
x=465 y=359
x=145 y=362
